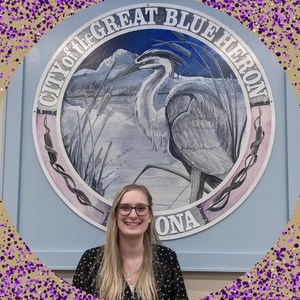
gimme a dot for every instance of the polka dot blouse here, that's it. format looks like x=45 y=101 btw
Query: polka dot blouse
x=168 y=276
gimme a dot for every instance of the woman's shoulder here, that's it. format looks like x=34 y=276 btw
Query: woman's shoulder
x=95 y=249
x=93 y=253
x=165 y=253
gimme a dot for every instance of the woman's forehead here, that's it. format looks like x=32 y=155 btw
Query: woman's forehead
x=134 y=196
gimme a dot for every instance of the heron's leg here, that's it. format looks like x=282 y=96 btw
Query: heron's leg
x=197 y=187
x=201 y=185
x=195 y=184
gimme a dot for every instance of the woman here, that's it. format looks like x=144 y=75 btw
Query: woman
x=133 y=264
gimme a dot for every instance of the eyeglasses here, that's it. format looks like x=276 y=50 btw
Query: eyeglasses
x=140 y=209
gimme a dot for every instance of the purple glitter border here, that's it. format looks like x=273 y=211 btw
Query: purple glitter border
x=23 y=23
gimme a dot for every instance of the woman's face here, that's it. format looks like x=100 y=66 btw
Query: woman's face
x=133 y=225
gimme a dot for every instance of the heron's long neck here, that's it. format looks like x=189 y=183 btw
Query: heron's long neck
x=152 y=121
x=148 y=91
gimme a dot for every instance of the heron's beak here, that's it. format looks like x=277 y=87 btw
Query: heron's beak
x=133 y=68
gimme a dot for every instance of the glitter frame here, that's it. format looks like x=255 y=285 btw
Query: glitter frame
x=23 y=23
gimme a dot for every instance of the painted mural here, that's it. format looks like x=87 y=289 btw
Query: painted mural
x=161 y=96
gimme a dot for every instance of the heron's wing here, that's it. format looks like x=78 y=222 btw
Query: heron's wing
x=199 y=130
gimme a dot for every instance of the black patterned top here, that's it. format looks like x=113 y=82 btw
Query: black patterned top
x=168 y=276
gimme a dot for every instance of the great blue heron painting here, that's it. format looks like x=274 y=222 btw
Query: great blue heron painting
x=159 y=96
x=168 y=114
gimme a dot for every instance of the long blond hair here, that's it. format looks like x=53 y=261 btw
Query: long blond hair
x=110 y=280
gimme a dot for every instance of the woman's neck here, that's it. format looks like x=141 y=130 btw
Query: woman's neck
x=132 y=248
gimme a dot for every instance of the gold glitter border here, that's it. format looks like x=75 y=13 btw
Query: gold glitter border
x=275 y=23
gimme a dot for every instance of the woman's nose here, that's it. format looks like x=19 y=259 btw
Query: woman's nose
x=133 y=213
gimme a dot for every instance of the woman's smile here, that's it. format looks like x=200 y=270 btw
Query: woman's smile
x=132 y=224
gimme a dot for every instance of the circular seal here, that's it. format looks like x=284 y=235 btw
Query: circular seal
x=158 y=95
